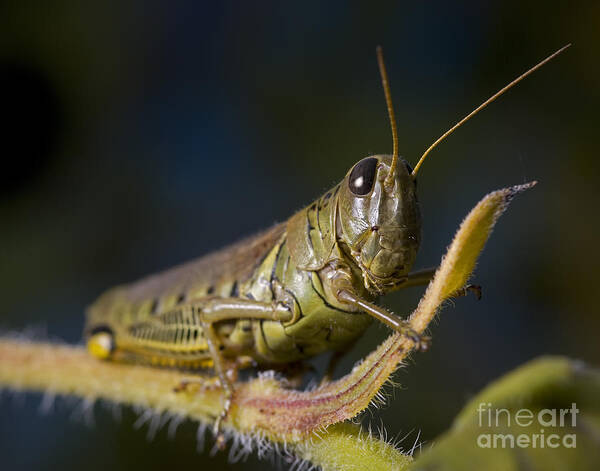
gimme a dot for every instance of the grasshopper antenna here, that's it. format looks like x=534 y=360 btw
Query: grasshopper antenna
x=482 y=106
x=390 y=107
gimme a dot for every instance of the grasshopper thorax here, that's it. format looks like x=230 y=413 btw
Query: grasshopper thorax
x=378 y=222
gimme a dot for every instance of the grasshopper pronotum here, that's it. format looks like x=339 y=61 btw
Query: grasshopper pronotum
x=303 y=287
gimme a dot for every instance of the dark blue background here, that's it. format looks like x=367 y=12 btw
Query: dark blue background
x=138 y=135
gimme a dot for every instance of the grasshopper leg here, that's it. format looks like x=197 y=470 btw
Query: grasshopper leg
x=417 y=278
x=422 y=277
x=226 y=383
x=397 y=324
x=475 y=289
x=216 y=310
x=203 y=382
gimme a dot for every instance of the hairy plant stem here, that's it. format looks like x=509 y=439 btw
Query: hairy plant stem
x=310 y=423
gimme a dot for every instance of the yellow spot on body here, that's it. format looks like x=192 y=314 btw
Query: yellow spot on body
x=100 y=345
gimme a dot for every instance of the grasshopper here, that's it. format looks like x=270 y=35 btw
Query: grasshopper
x=303 y=287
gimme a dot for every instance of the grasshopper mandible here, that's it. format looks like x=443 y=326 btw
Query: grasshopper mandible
x=301 y=288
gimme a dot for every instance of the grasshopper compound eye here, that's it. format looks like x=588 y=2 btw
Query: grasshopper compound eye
x=362 y=176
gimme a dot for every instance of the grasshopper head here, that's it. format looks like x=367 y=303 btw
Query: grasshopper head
x=379 y=223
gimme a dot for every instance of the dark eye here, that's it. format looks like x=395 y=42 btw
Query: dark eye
x=362 y=176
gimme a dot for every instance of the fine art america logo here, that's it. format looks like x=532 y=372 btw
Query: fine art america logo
x=534 y=424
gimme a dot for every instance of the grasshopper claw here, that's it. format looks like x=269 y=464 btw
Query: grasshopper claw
x=421 y=342
x=476 y=289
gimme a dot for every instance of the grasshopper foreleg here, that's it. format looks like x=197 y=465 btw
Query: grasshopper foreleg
x=418 y=278
x=475 y=289
x=391 y=320
x=423 y=277
x=345 y=293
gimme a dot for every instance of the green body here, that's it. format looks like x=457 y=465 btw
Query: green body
x=368 y=241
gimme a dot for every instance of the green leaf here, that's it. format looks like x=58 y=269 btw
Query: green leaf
x=543 y=386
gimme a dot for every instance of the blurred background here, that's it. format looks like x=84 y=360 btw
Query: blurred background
x=141 y=134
